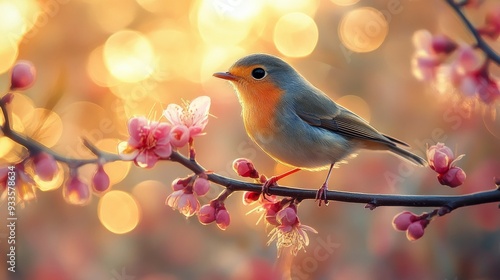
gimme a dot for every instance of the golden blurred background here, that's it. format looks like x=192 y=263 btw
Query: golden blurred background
x=101 y=62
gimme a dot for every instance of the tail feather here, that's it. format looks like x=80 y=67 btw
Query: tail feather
x=407 y=155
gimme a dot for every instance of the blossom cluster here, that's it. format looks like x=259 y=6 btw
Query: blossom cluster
x=442 y=160
x=280 y=214
x=439 y=59
x=413 y=225
x=151 y=141
x=41 y=165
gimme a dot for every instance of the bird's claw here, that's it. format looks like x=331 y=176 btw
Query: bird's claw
x=321 y=195
x=271 y=182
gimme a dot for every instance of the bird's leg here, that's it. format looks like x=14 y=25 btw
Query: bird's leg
x=321 y=194
x=272 y=181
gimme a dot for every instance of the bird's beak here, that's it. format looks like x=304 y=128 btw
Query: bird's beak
x=226 y=76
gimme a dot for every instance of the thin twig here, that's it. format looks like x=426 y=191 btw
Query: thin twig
x=480 y=43
x=450 y=202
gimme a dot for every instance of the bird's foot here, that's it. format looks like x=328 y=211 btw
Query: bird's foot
x=270 y=182
x=273 y=181
x=321 y=194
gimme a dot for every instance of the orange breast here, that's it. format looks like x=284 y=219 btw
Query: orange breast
x=260 y=101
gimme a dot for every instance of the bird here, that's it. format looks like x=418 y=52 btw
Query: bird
x=297 y=124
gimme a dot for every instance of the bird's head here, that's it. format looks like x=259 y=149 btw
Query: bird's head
x=260 y=77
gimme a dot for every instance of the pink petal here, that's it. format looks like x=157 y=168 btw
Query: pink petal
x=173 y=114
x=163 y=151
x=162 y=133
x=125 y=152
x=469 y=59
x=146 y=159
x=422 y=40
x=199 y=108
x=179 y=136
x=173 y=198
x=135 y=126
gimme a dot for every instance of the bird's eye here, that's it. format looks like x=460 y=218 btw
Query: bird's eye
x=258 y=73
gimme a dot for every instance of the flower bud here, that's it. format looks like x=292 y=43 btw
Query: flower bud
x=453 y=177
x=206 y=215
x=23 y=75
x=45 y=166
x=403 y=220
x=100 y=181
x=245 y=168
x=443 y=44
x=201 y=186
x=76 y=192
x=440 y=157
x=179 y=136
x=180 y=183
x=416 y=230
x=222 y=218
x=250 y=197
x=493 y=23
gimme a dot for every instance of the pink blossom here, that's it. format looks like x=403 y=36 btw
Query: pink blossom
x=179 y=136
x=428 y=50
x=206 y=215
x=193 y=115
x=45 y=166
x=184 y=201
x=454 y=177
x=287 y=217
x=465 y=71
x=492 y=24
x=23 y=75
x=439 y=157
x=149 y=141
x=100 y=180
x=201 y=186
x=290 y=232
x=76 y=192
x=245 y=168
x=222 y=218
x=271 y=210
x=25 y=185
x=403 y=220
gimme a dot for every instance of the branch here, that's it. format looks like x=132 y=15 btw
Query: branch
x=447 y=203
x=480 y=43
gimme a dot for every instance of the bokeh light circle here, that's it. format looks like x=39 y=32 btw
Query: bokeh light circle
x=8 y=54
x=129 y=56
x=226 y=24
x=118 y=212
x=345 y=2
x=357 y=105
x=363 y=29
x=295 y=35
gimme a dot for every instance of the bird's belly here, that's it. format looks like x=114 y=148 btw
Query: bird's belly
x=304 y=146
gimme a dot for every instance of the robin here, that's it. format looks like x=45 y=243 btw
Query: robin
x=297 y=124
